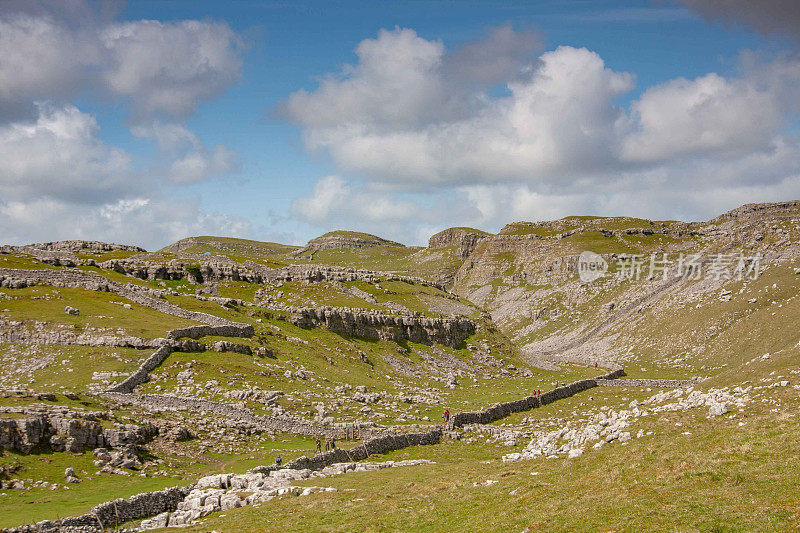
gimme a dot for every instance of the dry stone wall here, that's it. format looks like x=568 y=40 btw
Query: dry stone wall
x=110 y=514
x=501 y=410
x=382 y=444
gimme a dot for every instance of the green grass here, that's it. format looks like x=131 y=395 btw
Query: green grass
x=718 y=478
x=22 y=261
x=44 y=303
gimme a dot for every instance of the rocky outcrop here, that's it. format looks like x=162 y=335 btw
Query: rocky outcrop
x=347 y=239
x=374 y=325
x=465 y=240
x=240 y=415
x=762 y=210
x=64 y=253
x=17 y=331
x=72 y=246
x=62 y=429
x=223 y=492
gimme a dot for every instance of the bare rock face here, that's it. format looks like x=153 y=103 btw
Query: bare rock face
x=466 y=239
x=371 y=325
x=66 y=430
x=63 y=253
x=79 y=246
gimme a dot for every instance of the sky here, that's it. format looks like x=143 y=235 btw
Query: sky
x=146 y=122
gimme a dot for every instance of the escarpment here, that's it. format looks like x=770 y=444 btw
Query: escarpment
x=372 y=325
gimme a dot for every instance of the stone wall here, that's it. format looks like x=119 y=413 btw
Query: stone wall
x=385 y=443
x=142 y=374
x=216 y=326
x=501 y=410
x=195 y=332
x=110 y=514
x=374 y=325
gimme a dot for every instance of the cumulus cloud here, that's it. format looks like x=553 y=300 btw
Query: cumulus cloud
x=765 y=16
x=332 y=197
x=169 y=67
x=500 y=56
x=162 y=68
x=59 y=156
x=556 y=142
x=701 y=116
x=186 y=159
x=58 y=178
x=559 y=117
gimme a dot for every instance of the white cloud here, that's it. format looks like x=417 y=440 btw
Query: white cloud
x=333 y=198
x=58 y=180
x=703 y=116
x=146 y=222
x=170 y=67
x=59 y=156
x=555 y=142
x=559 y=117
x=163 y=68
x=186 y=159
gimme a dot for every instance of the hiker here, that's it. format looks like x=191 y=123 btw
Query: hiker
x=319 y=446
x=595 y=364
x=446 y=416
x=327 y=444
x=278 y=460
x=333 y=444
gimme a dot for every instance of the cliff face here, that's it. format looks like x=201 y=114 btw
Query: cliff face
x=447 y=331
x=465 y=240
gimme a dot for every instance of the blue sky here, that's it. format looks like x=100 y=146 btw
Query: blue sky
x=236 y=149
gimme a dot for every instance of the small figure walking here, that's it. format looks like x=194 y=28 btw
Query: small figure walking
x=327 y=444
x=333 y=444
x=319 y=446
x=446 y=416
x=278 y=460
